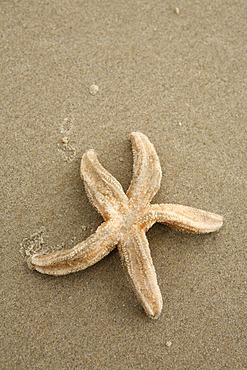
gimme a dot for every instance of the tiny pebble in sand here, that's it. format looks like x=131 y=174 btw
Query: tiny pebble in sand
x=93 y=89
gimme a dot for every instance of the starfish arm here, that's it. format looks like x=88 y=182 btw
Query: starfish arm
x=182 y=218
x=136 y=258
x=83 y=255
x=146 y=171
x=103 y=190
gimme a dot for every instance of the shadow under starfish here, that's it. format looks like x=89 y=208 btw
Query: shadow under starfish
x=127 y=217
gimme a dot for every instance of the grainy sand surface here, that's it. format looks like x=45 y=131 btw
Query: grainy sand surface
x=177 y=72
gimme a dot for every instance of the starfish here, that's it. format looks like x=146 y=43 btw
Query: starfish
x=127 y=217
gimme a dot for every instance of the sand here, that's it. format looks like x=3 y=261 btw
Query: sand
x=177 y=72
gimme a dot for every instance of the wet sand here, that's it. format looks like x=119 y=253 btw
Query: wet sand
x=176 y=72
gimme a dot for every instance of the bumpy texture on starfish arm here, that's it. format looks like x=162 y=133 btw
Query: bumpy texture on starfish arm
x=103 y=190
x=146 y=172
x=127 y=218
x=83 y=255
x=182 y=218
x=137 y=261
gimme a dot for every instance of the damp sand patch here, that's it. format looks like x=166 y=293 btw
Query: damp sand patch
x=36 y=244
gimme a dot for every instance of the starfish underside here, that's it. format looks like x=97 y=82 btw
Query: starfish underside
x=127 y=217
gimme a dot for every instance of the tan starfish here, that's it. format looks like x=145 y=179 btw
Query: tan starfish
x=127 y=217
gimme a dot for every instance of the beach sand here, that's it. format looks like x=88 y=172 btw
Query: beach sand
x=84 y=74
